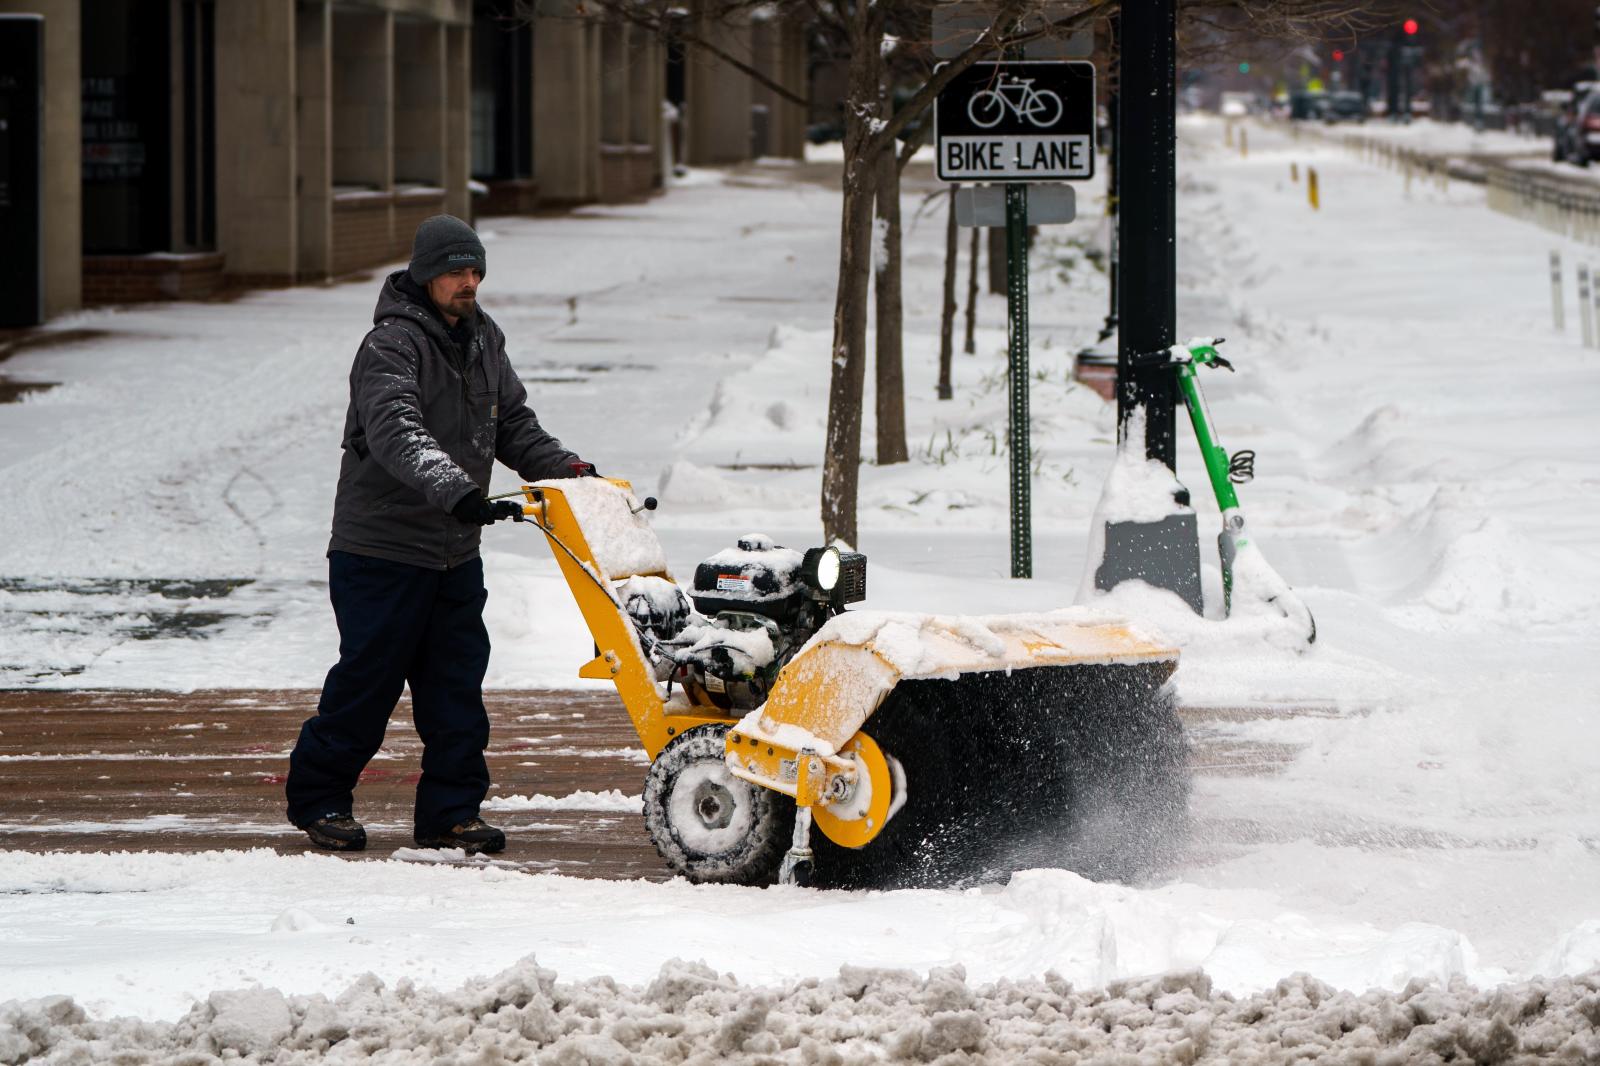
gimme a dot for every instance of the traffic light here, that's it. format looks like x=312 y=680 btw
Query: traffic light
x=1244 y=68
x=1338 y=56
x=1410 y=26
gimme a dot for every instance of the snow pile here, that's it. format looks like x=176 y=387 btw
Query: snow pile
x=754 y=645
x=656 y=604
x=745 y=570
x=926 y=645
x=613 y=524
x=690 y=1013
x=1136 y=489
x=688 y=487
x=582 y=800
x=764 y=728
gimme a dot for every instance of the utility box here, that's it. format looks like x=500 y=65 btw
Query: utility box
x=22 y=169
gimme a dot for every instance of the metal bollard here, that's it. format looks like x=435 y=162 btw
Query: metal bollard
x=1312 y=195
x=1585 y=312
x=1294 y=173
x=1594 y=292
x=1557 y=312
x=1244 y=143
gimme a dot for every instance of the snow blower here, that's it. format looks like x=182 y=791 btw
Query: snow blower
x=1244 y=568
x=928 y=750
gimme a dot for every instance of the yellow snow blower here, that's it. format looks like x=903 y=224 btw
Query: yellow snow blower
x=929 y=750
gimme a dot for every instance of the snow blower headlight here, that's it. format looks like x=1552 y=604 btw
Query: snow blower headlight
x=820 y=569
x=838 y=577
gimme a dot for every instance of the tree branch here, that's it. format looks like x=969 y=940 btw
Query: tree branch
x=657 y=23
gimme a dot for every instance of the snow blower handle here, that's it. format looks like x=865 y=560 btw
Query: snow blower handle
x=1203 y=352
x=1200 y=351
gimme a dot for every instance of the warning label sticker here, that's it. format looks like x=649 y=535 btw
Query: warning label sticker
x=733 y=583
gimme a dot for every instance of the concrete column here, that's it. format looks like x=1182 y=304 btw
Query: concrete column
x=789 y=122
x=363 y=98
x=314 y=85
x=256 y=139
x=778 y=51
x=717 y=97
x=644 y=87
x=614 y=124
x=63 y=140
x=458 y=125
x=647 y=88
x=566 y=107
x=419 y=102
x=592 y=114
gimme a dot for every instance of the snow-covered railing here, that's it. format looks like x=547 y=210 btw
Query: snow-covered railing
x=1556 y=206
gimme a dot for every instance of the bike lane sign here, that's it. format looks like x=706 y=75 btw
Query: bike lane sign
x=1017 y=120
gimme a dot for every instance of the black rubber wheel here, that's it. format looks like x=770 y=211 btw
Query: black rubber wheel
x=708 y=825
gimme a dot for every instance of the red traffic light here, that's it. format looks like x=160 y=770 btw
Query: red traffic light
x=1338 y=56
x=1410 y=26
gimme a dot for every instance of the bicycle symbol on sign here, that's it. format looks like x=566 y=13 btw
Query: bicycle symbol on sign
x=1018 y=97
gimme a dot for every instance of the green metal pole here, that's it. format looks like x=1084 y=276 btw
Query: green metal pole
x=1017 y=324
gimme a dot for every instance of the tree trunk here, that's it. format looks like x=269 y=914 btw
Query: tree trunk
x=841 y=461
x=971 y=345
x=947 y=319
x=997 y=260
x=890 y=364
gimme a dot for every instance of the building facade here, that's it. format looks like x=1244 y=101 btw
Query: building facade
x=193 y=144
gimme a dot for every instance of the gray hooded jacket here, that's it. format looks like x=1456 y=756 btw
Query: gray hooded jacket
x=427 y=419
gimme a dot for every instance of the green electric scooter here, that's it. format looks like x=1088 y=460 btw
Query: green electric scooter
x=1243 y=566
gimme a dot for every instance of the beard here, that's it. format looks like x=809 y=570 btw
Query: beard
x=462 y=306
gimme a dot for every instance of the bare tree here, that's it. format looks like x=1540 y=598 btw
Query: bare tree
x=889 y=353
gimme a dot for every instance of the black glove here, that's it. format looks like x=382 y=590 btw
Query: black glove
x=474 y=510
x=580 y=468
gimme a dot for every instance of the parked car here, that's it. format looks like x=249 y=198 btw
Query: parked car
x=1236 y=104
x=1307 y=106
x=1345 y=106
x=1577 y=138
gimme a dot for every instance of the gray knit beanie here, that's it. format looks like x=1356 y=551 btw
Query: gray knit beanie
x=444 y=243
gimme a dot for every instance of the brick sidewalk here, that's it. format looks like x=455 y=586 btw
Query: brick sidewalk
x=181 y=772
x=156 y=771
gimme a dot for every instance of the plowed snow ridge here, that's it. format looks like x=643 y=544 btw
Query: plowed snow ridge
x=690 y=1013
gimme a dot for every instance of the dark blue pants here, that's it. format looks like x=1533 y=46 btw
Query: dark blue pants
x=399 y=624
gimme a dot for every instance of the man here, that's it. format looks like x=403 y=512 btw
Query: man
x=433 y=403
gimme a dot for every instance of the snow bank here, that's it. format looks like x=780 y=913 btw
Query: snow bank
x=691 y=1013
x=610 y=800
x=926 y=645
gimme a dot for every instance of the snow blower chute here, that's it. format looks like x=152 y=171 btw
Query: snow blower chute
x=928 y=750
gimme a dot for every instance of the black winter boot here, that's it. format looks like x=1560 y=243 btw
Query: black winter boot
x=338 y=832
x=472 y=836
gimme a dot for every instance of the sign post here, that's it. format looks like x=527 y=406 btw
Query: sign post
x=1017 y=124
x=1017 y=328
x=1165 y=552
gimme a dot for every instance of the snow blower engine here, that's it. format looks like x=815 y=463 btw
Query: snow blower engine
x=929 y=750
x=755 y=606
